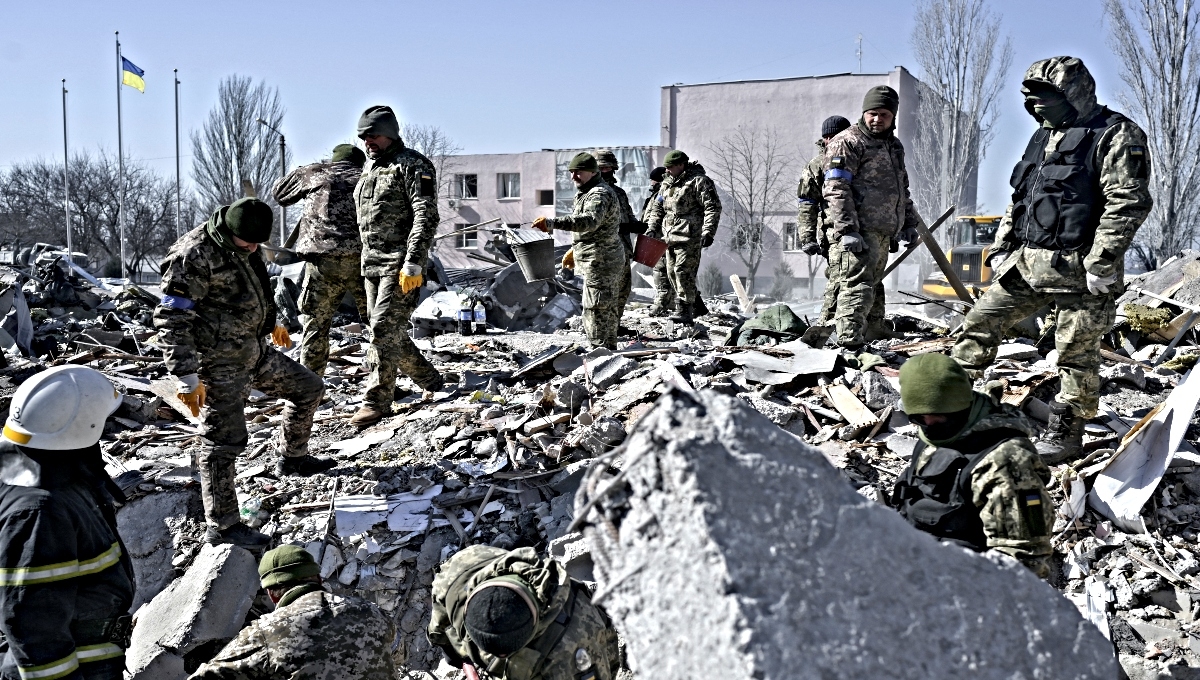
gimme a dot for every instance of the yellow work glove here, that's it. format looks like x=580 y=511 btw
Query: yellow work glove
x=540 y=225
x=281 y=337
x=192 y=393
x=568 y=261
x=410 y=283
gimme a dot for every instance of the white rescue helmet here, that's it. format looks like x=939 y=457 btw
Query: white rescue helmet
x=61 y=409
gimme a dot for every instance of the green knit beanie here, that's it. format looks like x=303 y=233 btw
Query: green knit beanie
x=881 y=97
x=286 y=564
x=675 y=158
x=379 y=121
x=584 y=161
x=934 y=383
x=250 y=220
x=349 y=152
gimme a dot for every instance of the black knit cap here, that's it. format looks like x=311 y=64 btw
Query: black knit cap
x=250 y=220
x=656 y=175
x=499 y=620
x=833 y=125
x=349 y=152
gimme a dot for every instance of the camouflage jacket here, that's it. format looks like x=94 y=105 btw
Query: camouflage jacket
x=586 y=630
x=1122 y=161
x=1006 y=484
x=312 y=635
x=650 y=200
x=396 y=199
x=626 y=211
x=329 y=225
x=866 y=185
x=810 y=204
x=594 y=226
x=217 y=305
x=687 y=207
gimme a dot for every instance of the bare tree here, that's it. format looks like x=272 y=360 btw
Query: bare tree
x=964 y=64
x=434 y=144
x=31 y=209
x=753 y=171
x=1156 y=44
x=233 y=147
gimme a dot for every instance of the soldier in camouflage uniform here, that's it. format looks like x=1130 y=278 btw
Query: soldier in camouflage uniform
x=868 y=208
x=214 y=319
x=396 y=200
x=810 y=212
x=1079 y=195
x=310 y=634
x=628 y=226
x=599 y=255
x=664 y=293
x=329 y=244
x=685 y=215
x=977 y=480
x=518 y=617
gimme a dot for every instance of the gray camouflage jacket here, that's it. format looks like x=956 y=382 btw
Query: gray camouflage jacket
x=315 y=636
x=810 y=204
x=687 y=207
x=329 y=225
x=396 y=199
x=866 y=185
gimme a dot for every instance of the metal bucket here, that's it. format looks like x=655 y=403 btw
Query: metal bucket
x=536 y=259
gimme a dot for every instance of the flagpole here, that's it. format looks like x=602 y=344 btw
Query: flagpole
x=178 y=202
x=120 y=164
x=66 y=175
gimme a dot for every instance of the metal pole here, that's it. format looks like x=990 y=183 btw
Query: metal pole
x=178 y=202
x=66 y=174
x=120 y=165
x=282 y=173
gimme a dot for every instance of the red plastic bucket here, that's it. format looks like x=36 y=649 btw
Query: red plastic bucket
x=649 y=250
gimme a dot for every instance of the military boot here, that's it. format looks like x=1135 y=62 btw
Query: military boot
x=1063 y=438
x=659 y=308
x=683 y=313
x=240 y=535
x=699 y=309
x=367 y=415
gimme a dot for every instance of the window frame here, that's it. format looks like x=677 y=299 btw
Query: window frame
x=460 y=186
x=502 y=186
x=466 y=239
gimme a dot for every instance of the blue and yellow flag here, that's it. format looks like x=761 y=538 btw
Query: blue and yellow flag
x=132 y=75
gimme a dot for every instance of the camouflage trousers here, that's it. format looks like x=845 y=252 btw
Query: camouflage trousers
x=1081 y=318
x=683 y=266
x=664 y=292
x=626 y=288
x=829 y=299
x=228 y=386
x=327 y=279
x=391 y=349
x=601 y=284
x=859 y=287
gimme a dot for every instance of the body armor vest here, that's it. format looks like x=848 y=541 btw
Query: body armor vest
x=1055 y=197
x=937 y=498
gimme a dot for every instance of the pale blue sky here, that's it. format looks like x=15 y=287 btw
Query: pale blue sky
x=496 y=76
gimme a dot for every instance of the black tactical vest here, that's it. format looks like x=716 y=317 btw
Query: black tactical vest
x=937 y=498
x=1056 y=199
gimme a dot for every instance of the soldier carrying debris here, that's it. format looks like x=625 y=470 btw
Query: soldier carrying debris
x=868 y=207
x=810 y=212
x=396 y=200
x=597 y=249
x=1079 y=195
x=685 y=215
x=216 y=314
x=329 y=244
x=976 y=479
x=310 y=634
x=518 y=617
x=664 y=293
x=66 y=581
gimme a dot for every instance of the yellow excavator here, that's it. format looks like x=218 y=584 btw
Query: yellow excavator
x=972 y=237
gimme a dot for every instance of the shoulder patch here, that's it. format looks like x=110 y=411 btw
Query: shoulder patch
x=1137 y=151
x=837 y=161
x=428 y=190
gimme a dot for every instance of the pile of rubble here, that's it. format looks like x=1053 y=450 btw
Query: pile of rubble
x=499 y=456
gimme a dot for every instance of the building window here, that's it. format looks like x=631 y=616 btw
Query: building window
x=466 y=239
x=509 y=185
x=546 y=197
x=791 y=236
x=468 y=186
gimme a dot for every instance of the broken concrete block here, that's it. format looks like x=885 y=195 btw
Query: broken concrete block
x=208 y=604
x=878 y=391
x=1127 y=373
x=556 y=312
x=902 y=445
x=571 y=395
x=573 y=552
x=778 y=413
x=730 y=549
x=148 y=526
x=1016 y=351
x=607 y=370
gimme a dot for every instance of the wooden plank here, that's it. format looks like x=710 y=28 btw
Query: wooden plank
x=853 y=410
x=944 y=264
x=916 y=244
x=167 y=389
x=539 y=424
x=747 y=306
